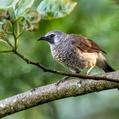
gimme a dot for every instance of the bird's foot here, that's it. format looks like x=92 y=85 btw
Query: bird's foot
x=62 y=80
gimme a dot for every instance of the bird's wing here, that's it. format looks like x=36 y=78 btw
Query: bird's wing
x=84 y=44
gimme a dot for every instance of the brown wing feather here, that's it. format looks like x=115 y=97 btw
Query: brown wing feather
x=84 y=44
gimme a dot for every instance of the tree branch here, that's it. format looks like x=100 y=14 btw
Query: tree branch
x=53 y=92
x=45 y=69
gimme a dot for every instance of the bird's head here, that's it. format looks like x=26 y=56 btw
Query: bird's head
x=53 y=37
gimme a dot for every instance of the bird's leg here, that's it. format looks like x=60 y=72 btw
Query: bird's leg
x=77 y=71
x=63 y=80
x=81 y=80
x=89 y=70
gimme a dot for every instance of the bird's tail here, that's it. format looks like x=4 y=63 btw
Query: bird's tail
x=108 y=68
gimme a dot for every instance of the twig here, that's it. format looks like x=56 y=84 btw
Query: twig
x=14 y=49
x=17 y=37
x=14 y=33
x=62 y=73
x=6 y=51
x=57 y=72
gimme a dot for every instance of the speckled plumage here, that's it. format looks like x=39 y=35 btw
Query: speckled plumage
x=75 y=51
x=72 y=57
x=66 y=55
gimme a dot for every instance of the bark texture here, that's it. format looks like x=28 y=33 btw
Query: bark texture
x=53 y=92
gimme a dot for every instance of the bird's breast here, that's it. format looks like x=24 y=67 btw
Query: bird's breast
x=73 y=57
x=66 y=55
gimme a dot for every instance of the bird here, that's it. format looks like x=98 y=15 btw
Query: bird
x=76 y=52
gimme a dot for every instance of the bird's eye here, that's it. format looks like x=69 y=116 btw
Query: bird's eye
x=52 y=35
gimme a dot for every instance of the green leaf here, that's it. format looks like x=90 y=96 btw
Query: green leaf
x=5 y=3
x=7 y=27
x=3 y=14
x=52 y=9
x=2 y=37
x=3 y=19
x=11 y=13
x=21 y=5
x=30 y=20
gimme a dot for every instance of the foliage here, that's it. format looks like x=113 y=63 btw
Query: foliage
x=21 y=12
x=55 y=9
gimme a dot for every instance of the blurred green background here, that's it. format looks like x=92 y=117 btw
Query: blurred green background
x=96 y=19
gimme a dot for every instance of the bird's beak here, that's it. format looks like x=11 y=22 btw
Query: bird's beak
x=42 y=38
